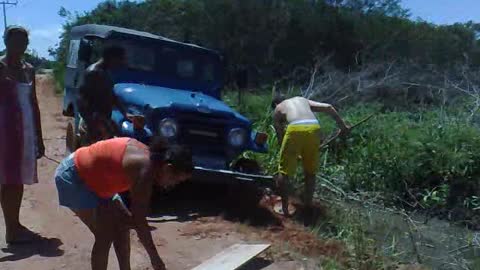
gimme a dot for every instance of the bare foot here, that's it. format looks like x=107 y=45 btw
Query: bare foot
x=308 y=216
x=285 y=211
x=21 y=235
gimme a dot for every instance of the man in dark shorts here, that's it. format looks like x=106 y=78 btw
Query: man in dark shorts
x=97 y=98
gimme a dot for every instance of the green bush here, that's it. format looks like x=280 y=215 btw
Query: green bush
x=59 y=74
x=431 y=153
x=421 y=150
x=270 y=39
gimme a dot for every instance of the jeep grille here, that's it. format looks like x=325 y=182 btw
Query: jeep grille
x=202 y=131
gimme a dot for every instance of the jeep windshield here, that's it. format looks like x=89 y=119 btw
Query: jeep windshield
x=171 y=66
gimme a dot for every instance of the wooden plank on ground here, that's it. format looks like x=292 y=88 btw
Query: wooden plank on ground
x=233 y=257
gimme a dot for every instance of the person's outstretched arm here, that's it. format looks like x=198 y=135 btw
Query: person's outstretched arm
x=140 y=195
x=36 y=112
x=330 y=110
x=117 y=103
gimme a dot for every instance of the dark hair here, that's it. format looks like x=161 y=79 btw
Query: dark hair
x=277 y=99
x=14 y=29
x=179 y=156
x=112 y=52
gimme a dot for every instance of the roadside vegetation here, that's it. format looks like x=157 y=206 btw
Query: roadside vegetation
x=420 y=158
x=273 y=40
x=35 y=60
x=399 y=164
x=417 y=154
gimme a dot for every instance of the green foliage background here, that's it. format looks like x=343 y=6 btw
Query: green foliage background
x=270 y=38
x=414 y=154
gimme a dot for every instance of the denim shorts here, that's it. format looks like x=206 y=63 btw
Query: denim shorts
x=72 y=191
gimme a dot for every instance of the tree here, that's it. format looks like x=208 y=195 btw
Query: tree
x=272 y=37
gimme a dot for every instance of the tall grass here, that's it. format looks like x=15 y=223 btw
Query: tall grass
x=428 y=155
x=59 y=75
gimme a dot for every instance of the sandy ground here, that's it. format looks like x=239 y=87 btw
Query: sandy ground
x=67 y=243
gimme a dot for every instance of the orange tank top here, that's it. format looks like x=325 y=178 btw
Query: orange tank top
x=100 y=166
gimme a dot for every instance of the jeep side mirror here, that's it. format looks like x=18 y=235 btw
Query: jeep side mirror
x=85 y=51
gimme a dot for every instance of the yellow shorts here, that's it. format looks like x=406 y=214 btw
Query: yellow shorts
x=300 y=140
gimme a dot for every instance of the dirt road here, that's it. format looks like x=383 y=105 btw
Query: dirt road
x=67 y=243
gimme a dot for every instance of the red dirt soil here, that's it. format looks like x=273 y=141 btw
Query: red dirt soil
x=66 y=242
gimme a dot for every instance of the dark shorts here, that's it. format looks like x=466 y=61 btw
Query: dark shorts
x=101 y=128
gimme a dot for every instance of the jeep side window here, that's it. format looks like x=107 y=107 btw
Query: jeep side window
x=185 y=69
x=139 y=57
x=208 y=73
x=167 y=62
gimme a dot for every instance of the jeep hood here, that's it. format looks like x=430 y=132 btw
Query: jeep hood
x=137 y=97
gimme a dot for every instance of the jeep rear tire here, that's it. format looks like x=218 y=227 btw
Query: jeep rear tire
x=71 y=139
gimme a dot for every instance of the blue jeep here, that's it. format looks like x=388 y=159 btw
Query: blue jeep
x=176 y=88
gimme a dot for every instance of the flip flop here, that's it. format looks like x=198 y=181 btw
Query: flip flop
x=277 y=208
x=25 y=237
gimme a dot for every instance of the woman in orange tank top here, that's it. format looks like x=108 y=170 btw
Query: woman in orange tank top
x=89 y=181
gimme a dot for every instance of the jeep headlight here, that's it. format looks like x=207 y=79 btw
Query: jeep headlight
x=168 y=128
x=237 y=137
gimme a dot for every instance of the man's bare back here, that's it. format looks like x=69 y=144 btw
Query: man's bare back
x=295 y=109
x=300 y=108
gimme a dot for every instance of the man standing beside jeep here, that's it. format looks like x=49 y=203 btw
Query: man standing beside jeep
x=97 y=98
x=298 y=133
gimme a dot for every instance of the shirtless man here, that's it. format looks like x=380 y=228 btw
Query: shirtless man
x=298 y=132
x=97 y=98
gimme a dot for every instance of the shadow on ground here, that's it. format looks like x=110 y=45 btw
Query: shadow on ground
x=256 y=264
x=44 y=247
x=205 y=207
x=189 y=202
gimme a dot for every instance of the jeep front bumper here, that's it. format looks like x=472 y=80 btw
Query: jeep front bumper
x=201 y=174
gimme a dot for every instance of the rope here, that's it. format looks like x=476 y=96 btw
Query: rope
x=51 y=159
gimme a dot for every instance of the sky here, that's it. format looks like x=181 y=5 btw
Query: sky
x=444 y=11
x=42 y=20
